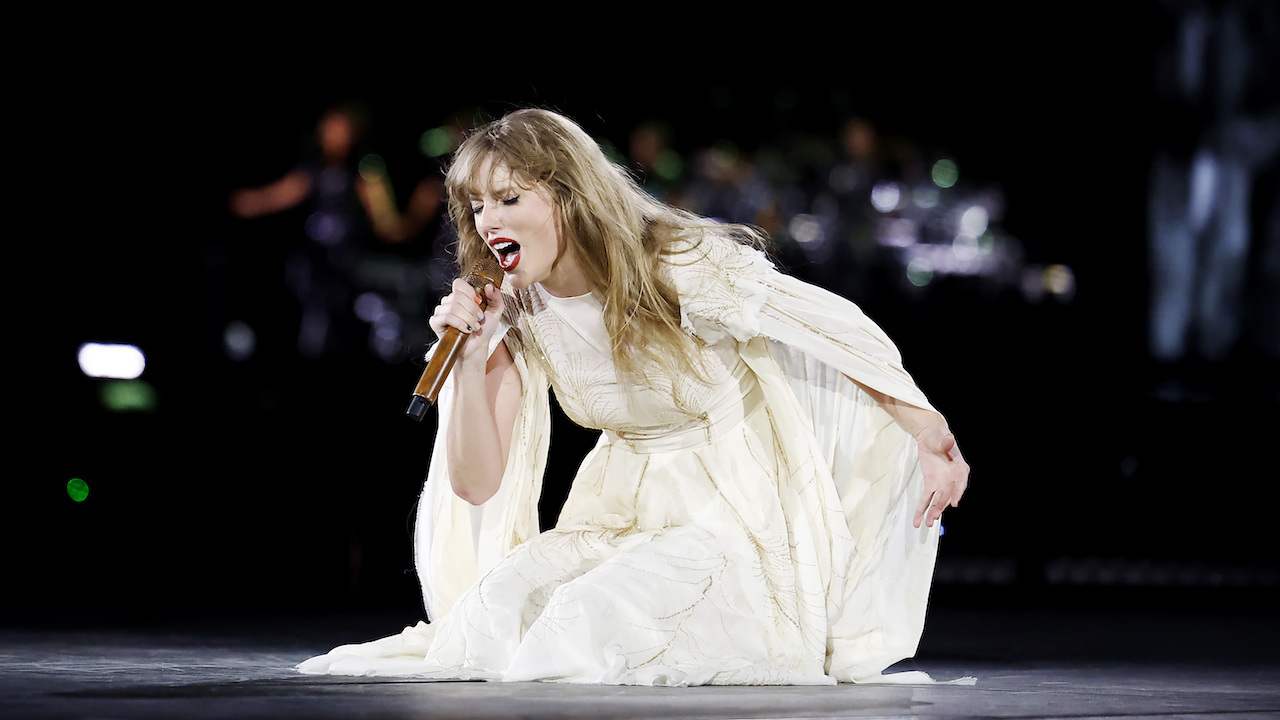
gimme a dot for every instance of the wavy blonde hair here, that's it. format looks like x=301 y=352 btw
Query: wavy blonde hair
x=620 y=233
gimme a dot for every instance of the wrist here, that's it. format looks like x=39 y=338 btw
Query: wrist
x=470 y=365
x=932 y=431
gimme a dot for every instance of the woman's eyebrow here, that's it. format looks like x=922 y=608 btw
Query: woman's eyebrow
x=493 y=192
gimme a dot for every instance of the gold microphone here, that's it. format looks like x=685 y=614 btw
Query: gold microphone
x=484 y=272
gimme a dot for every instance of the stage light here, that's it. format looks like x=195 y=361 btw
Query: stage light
x=369 y=306
x=372 y=168
x=436 y=142
x=945 y=173
x=128 y=396
x=669 y=165
x=974 y=221
x=239 y=341
x=965 y=249
x=77 y=489
x=986 y=243
x=920 y=272
x=111 y=360
x=885 y=197
x=805 y=229
x=387 y=337
x=1059 y=280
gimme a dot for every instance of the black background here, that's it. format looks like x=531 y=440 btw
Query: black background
x=277 y=484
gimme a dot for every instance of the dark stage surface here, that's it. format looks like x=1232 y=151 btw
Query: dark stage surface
x=1041 y=664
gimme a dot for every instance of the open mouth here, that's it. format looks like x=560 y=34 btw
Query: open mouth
x=508 y=252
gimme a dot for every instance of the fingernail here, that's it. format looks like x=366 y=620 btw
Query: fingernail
x=468 y=328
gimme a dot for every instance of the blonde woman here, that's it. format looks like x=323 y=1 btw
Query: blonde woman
x=762 y=506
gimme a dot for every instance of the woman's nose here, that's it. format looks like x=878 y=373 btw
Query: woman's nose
x=488 y=222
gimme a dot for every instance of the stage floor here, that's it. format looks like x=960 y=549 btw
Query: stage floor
x=1026 y=665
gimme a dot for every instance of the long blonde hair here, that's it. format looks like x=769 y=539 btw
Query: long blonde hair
x=619 y=232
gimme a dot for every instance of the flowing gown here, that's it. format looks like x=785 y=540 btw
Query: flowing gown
x=751 y=526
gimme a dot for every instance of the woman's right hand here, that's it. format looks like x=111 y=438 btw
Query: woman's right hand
x=461 y=309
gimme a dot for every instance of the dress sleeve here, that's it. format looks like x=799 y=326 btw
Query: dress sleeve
x=813 y=353
x=455 y=542
x=726 y=288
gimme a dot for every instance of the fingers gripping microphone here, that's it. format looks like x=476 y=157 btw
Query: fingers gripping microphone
x=446 y=353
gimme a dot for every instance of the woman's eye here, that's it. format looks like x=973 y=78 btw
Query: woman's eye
x=511 y=200
x=475 y=209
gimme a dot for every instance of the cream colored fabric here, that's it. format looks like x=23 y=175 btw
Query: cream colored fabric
x=751 y=528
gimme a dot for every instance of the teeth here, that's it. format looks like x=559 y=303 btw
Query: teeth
x=504 y=246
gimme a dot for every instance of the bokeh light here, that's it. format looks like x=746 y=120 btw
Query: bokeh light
x=886 y=196
x=128 y=396
x=1060 y=281
x=373 y=168
x=111 y=360
x=974 y=220
x=805 y=229
x=437 y=142
x=920 y=272
x=239 y=341
x=77 y=489
x=669 y=165
x=945 y=173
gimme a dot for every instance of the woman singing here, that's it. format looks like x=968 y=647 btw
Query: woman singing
x=762 y=504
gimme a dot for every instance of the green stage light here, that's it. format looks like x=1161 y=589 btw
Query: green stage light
x=78 y=489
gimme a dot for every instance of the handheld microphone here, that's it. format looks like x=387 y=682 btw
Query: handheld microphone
x=484 y=272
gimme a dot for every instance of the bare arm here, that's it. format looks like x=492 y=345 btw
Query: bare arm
x=378 y=200
x=479 y=436
x=282 y=194
x=486 y=395
x=946 y=474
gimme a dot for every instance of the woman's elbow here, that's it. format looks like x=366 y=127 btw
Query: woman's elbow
x=473 y=495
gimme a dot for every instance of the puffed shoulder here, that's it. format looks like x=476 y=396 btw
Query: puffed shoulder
x=730 y=289
x=721 y=284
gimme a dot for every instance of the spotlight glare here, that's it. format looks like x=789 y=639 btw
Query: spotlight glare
x=111 y=360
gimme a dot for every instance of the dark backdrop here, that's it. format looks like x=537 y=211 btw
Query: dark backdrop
x=275 y=483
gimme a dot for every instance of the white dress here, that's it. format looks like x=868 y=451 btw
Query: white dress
x=753 y=527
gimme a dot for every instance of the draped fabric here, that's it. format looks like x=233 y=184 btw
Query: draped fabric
x=753 y=526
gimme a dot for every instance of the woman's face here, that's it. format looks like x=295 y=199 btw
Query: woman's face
x=521 y=226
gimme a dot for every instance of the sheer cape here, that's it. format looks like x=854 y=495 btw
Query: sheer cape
x=851 y=483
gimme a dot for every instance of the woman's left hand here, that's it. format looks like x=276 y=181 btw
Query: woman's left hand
x=946 y=474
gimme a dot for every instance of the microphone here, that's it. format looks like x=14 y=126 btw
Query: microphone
x=484 y=272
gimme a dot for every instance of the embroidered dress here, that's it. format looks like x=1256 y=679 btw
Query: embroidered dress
x=753 y=526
